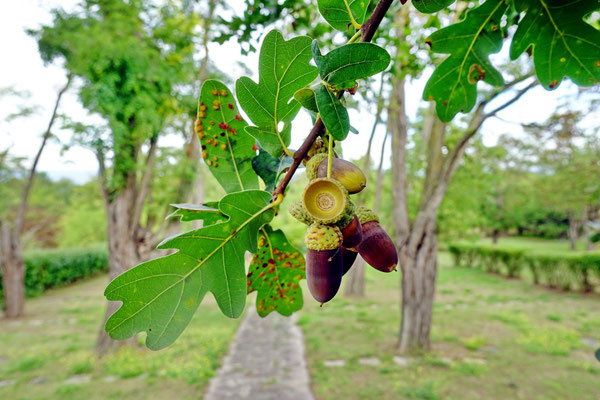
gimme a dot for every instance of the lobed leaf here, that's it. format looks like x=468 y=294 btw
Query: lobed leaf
x=284 y=67
x=226 y=147
x=431 y=6
x=335 y=12
x=453 y=84
x=161 y=295
x=333 y=113
x=563 y=44
x=270 y=168
x=208 y=212
x=275 y=273
x=342 y=66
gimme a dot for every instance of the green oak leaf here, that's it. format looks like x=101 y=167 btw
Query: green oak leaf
x=161 y=295
x=333 y=113
x=453 y=84
x=335 y=12
x=208 y=212
x=342 y=66
x=226 y=147
x=275 y=273
x=306 y=97
x=563 y=44
x=270 y=168
x=284 y=67
x=431 y=6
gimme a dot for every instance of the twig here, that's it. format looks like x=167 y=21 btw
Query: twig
x=368 y=31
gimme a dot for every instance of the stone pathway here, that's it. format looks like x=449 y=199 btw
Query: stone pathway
x=265 y=362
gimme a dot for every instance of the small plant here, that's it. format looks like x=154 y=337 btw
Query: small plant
x=160 y=296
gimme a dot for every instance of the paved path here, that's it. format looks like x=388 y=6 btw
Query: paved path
x=265 y=362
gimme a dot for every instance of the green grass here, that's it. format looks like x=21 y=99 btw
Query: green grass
x=535 y=244
x=492 y=338
x=55 y=341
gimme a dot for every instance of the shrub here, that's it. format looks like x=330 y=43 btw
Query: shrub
x=563 y=270
x=45 y=269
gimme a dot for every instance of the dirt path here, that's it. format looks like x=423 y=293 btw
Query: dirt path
x=265 y=362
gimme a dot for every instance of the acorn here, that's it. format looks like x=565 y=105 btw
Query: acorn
x=348 y=257
x=376 y=247
x=297 y=211
x=345 y=172
x=325 y=200
x=323 y=261
x=313 y=164
x=351 y=228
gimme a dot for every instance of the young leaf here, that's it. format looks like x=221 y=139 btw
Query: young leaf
x=270 y=168
x=306 y=97
x=208 y=212
x=161 y=295
x=563 y=44
x=453 y=85
x=226 y=147
x=342 y=66
x=431 y=6
x=283 y=69
x=275 y=273
x=335 y=12
x=333 y=113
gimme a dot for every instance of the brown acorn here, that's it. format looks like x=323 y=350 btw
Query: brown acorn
x=348 y=174
x=351 y=228
x=348 y=257
x=376 y=247
x=325 y=200
x=323 y=261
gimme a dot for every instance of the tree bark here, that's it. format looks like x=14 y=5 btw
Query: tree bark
x=355 y=279
x=13 y=272
x=573 y=228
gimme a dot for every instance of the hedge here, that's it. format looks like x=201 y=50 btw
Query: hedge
x=565 y=270
x=45 y=269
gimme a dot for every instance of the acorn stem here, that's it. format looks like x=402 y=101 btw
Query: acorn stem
x=329 y=156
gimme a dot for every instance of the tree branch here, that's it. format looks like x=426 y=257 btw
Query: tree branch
x=25 y=196
x=368 y=31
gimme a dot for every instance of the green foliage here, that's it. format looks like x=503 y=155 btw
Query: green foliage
x=306 y=97
x=209 y=213
x=565 y=270
x=275 y=273
x=336 y=12
x=270 y=168
x=333 y=113
x=45 y=269
x=431 y=6
x=563 y=45
x=226 y=147
x=160 y=296
x=84 y=204
x=453 y=85
x=283 y=69
x=343 y=66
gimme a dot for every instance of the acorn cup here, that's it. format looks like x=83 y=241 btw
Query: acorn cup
x=313 y=164
x=376 y=247
x=325 y=200
x=348 y=174
x=297 y=211
x=323 y=261
x=348 y=257
x=317 y=147
x=350 y=226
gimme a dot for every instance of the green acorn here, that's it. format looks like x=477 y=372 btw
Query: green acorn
x=324 y=261
x=376 y=247
x=297 y=211
x=325 y=200
x=345 y=172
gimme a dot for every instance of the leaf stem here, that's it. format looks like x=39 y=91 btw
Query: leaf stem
x=352 y=20
x=355 y=37
x=367 y=31
x=329 y=156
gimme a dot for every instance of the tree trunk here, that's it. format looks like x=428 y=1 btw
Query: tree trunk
x=355 y=279
x=123 y=255
x=419 y=270
x=13 y=272
x=495 y=235
x=573 y=228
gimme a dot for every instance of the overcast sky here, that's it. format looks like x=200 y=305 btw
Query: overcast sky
x=22 y=68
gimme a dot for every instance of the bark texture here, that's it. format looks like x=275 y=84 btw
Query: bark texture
x=13 y=272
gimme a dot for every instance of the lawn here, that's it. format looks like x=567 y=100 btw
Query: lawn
x=493 y=338
x=49 y=354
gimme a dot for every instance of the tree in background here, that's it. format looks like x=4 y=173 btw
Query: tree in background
x=135 y=62
x=12 y=219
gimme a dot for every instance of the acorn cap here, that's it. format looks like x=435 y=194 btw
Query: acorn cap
x=348 y=216
x=326 y=200
x=313 y=164
x=297 y=211
x=365 y=215
x=323 y=237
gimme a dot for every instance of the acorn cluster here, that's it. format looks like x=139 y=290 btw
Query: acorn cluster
x=338 y=230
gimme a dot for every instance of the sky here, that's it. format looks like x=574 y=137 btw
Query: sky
x=22 y=69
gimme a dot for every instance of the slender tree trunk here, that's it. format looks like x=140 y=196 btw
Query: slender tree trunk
x=573 y=228
x=13 y=272
x=379 y=184
x=355 y=279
